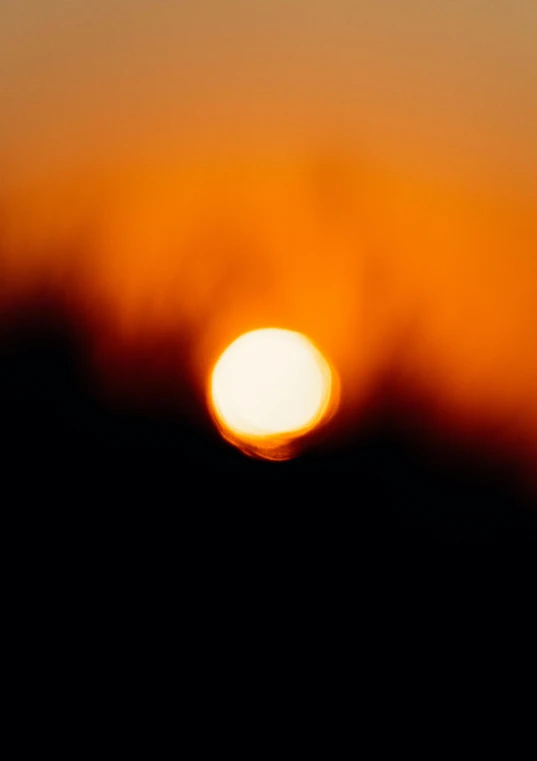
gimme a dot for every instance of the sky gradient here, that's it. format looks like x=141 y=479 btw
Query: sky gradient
x=362 y=171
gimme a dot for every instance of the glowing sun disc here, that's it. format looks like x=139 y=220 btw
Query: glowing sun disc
x=270 y=383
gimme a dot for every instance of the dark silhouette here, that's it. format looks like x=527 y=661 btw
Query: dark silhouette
x=57 y=423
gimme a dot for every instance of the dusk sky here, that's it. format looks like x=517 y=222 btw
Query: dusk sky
x=450 y=80
x=360 y=170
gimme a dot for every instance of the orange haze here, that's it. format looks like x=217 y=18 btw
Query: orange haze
x=374 y=190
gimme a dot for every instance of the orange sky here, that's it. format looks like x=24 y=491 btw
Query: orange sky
x=362 y=171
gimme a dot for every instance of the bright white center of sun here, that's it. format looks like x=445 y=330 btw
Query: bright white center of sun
x=270 y=382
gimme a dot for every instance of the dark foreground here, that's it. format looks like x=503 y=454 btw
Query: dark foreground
x=62 y=439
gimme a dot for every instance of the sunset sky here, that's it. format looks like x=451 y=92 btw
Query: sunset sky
x=453 y=81
x=362 y=170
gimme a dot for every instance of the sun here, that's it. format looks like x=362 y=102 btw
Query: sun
x=270 y=388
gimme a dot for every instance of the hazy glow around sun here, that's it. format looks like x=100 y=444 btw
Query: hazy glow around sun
x=270 y=382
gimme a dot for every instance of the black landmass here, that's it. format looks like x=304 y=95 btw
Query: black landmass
x=62 y=435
